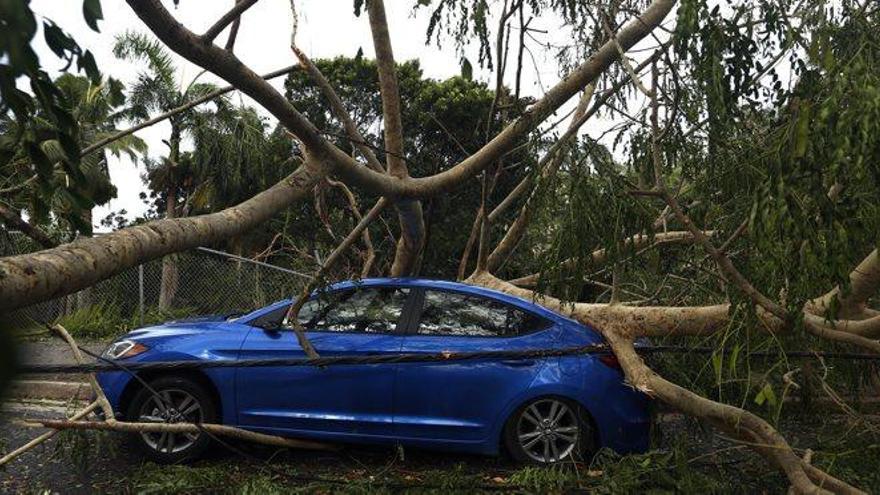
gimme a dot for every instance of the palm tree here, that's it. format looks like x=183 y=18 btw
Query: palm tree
x=98 y=110
x=157 y=89
x=63 y=202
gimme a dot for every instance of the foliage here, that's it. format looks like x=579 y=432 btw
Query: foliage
x=81 y=447
x=444 y=122
x=59 y=203
x=40 y=135
x=157 y=89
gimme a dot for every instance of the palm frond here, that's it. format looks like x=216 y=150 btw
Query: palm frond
x=135 y=46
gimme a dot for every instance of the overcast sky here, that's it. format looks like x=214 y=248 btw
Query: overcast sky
x=326 y=29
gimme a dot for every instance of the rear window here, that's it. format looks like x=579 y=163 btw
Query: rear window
x=454 y=314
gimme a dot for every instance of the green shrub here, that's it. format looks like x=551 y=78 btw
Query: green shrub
x=105 y=320
x=97 y=321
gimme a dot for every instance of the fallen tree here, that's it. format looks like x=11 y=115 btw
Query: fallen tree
x=706 y=153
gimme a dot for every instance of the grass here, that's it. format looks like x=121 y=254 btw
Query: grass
x=104 y=320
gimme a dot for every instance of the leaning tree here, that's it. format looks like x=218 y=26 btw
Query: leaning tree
x=743 y=145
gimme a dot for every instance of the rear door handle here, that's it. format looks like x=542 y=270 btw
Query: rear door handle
x=518 y=363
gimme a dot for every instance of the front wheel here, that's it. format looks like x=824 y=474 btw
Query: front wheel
x=548 y=430
x=172 y=400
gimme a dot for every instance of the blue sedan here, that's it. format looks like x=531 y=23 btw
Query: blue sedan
x=539 y=410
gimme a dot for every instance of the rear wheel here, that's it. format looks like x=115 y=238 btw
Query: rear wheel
x=548 y=430
x=176 y=400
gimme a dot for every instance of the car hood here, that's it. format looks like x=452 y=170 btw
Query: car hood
x=184 y=327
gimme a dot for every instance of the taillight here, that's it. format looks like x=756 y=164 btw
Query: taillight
x=610 y=360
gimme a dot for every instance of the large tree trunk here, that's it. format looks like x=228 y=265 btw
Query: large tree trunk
x=170 y=273
x=34 y=277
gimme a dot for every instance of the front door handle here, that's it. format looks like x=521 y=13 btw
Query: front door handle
x=518 y=363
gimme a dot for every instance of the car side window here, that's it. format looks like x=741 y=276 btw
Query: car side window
x=363 y=310
x=453 y=314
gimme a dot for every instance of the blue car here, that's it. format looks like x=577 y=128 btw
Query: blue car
x=539 y=410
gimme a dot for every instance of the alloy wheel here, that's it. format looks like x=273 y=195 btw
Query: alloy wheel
x=170 y=406
x=547 y=430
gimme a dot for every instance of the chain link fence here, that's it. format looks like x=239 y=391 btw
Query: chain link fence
x=208 y=282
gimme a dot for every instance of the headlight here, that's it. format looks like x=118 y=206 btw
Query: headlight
x=124 y=349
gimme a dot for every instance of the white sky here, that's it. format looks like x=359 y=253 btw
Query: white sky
x=326 y=29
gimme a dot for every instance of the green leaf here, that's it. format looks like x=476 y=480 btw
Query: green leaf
x=766 y=395
x=92 y=13
x=56 y=39
x=86 y=62
x=732 y=360
x=467 y=70
x=716 y=366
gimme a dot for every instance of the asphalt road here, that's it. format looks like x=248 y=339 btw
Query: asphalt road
x=54 y=465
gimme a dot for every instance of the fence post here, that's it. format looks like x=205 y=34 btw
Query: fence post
x=141 y=292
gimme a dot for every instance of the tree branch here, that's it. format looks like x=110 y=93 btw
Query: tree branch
x=292 y=317
x=13 y=221
x=101 y=399
x=214 y=429
x=370 y=257
x=225 y=65
x=233 y=15
x=175 y=111
x=46 y=436
x=233 y=32
x=639 y=241
x=409 y=213
x=34 y=277
x=864 y=282
x=338 y=109
x=571 y=132
x=548 y=168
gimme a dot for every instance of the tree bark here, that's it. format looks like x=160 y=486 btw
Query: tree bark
x=35 y=277
x=170 y=272
x=14 y=221
x=409 y=212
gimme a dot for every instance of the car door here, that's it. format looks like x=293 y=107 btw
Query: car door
x=336 y=400
x=460 y=402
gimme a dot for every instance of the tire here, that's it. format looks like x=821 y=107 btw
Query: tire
x=190 y=401
x=531 y=436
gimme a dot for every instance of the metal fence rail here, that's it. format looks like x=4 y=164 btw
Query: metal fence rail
x=210 y=281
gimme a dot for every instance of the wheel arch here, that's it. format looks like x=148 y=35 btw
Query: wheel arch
x=135 y=385
x=570 y=394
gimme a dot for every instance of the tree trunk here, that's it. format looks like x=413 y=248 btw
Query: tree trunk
x=170 y=271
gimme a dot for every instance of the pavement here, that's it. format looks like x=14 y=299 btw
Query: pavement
x=51 y=386
x=65 y=463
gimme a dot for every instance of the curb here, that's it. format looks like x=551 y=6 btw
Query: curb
x=45 y=389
